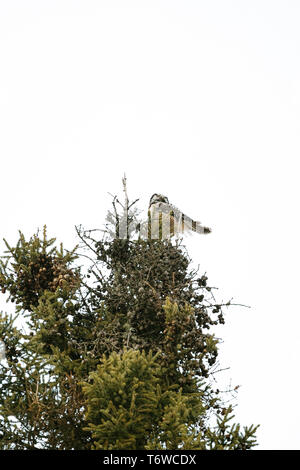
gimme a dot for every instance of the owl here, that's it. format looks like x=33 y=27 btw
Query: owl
x=165 y=220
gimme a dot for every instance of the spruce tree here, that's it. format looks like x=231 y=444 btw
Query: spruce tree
x=115 y=357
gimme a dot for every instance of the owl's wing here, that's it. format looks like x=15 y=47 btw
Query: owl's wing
x=181 y=222
x=165 y=221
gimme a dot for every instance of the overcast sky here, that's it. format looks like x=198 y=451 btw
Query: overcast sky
x=198 y=100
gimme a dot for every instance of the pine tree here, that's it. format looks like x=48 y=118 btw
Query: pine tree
x=115 y=358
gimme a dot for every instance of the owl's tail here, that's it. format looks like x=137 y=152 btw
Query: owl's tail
x=199 y=228
x=189 y=225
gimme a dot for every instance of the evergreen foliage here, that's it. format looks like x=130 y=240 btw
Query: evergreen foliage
x=117 y=358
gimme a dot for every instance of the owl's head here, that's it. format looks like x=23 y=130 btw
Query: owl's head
x=155 y=198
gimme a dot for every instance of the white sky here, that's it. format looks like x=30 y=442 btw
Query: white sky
x=198 y=100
